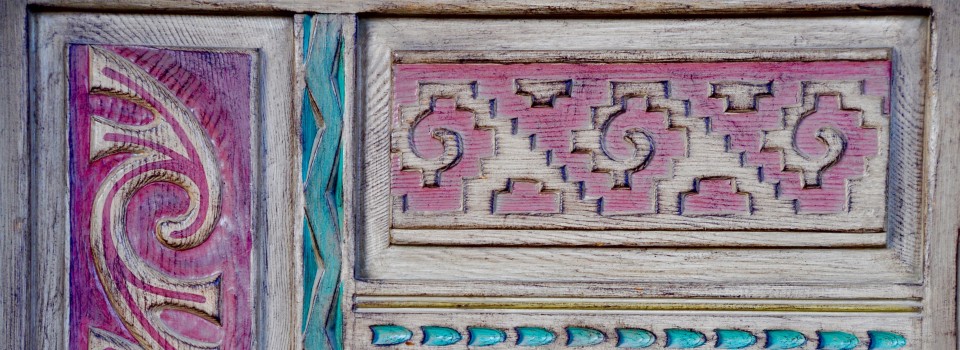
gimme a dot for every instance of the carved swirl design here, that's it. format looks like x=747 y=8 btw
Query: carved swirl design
x=412 y=155
x=600 y=141
x=173 y=148
x=789 y=140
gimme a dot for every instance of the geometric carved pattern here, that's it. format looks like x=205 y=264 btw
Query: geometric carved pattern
x=729 y=139
x=160 y=196
x=321 y=129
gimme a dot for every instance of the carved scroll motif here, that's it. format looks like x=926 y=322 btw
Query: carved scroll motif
x=588 y=142
x=171 y=148
x=794 y=143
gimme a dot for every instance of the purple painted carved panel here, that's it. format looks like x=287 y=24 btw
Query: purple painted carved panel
x=161 y=204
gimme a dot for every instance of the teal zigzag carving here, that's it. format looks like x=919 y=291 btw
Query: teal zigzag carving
x=322 y=126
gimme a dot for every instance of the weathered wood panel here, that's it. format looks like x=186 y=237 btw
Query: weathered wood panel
x=16 y=315
x=511 y=7
x=181 y=215
x=161 y=202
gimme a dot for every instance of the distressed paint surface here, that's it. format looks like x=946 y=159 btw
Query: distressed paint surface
x=321 y=128
x=671 y=140
x=160 y=145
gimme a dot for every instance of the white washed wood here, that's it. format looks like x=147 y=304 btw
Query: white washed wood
x=381 y=37
x=273 y=148
x=942 y=226
x=509 y=7
x=16 y=317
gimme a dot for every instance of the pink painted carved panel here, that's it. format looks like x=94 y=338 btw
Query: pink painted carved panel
x=676 y=145
x=161 y=205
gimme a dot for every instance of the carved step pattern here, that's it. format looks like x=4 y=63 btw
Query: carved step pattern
x=604 y=141
x=676 y=338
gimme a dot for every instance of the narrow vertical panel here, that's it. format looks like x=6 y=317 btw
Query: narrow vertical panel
x=161 y=201
x=15 y=288
x=322 y=126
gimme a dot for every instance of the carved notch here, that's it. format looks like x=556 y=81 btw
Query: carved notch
x=544 y=93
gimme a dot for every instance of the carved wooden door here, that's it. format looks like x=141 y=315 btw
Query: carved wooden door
x=303 y=175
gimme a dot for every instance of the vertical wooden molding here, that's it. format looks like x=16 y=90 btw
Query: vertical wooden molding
x=14 y=184
x=943 y=189
x=324 y=42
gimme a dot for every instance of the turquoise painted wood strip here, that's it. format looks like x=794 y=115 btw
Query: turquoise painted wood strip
x=684 y=338
x=581 y=336
x=440 y=336
x=534 y=336
x=634 y=338
x=389 y=335
x=734 y=339
x=881 y=340
x=480 y=336
x=784 y=339
x=321 y=129
x=828 y=340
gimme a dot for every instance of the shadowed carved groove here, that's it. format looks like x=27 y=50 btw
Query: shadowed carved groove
x=173 y=135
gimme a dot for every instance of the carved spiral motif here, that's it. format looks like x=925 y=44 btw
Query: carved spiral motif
x=173 y=148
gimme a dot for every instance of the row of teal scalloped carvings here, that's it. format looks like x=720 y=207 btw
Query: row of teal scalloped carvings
x=387 y=335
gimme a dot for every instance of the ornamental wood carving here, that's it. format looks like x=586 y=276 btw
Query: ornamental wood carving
x=161 y=206
x=641 y=145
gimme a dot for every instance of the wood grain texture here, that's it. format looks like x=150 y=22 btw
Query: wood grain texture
x=943 y=188
x=508 y=7
x=16 y=315
x=271 y=147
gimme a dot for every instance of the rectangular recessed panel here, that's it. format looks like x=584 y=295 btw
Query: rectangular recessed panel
x=161 y=197
x=783 y=141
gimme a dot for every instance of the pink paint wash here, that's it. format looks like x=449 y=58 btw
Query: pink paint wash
x=553 y=128
x=216 y=88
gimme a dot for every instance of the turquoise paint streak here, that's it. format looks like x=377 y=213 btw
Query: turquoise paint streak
x=784 y=339
x=534 y=336
x=485 y=336
x=579 y=336
x=684 y=338
x=440 y=336
x=836 y=341
x=734 y=339
x=634 y=338
x=389 y=335
x=322 y=178
x=880 y=340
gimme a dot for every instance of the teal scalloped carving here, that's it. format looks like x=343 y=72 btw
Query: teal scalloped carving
x=734 y=339
x=321 y=125
x=684 y=338
x=882 y=340
x=440 y=336
x=581 y=336
x=784 y=339
x=389 y=335
x=534 y=336
x=480 y=336
x=828 y=340
x=635 y=338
